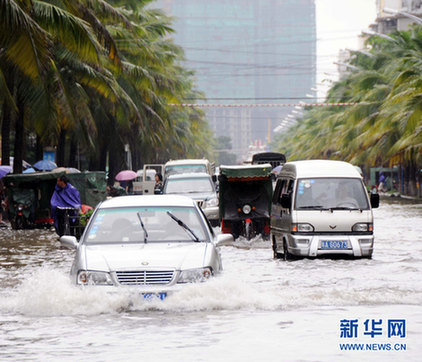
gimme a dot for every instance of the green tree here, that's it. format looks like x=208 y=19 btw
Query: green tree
x=384 y=127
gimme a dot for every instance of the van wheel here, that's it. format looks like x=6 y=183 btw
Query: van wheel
x=286 y=255
x=274 y=246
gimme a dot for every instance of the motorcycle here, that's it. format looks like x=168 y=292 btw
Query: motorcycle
x=21 y=209
x=245 y=194
x=20 y=221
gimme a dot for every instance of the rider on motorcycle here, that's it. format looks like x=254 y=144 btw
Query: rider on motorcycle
x=65 y=196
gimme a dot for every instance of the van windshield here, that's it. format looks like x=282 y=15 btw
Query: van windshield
x=179 y=169
x=331 y=193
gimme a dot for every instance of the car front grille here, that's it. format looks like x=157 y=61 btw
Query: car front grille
x=145 y=277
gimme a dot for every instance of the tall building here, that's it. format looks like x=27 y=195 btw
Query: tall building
x=395 y=15
x=247 y=52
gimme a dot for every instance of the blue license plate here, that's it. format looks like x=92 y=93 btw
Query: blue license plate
x=153 y=296
x=333 y=244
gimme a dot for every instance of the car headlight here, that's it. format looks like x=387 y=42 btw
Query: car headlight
x=194 y=275
x=211 y=202
x=86 y=277
x=302 y=228
x=363 y=227
x=246 y=209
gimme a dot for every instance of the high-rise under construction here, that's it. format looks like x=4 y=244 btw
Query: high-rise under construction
x=247 y=52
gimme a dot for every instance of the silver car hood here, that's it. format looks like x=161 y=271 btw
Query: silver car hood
x=145 y=256
x=200 y=195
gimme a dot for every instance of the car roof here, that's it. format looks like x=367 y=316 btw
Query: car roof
x=319 y=168
x=189 y=175
x=147 y=200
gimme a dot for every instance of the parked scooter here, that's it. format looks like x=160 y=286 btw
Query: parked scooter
x=21 y=209
x=20 y=221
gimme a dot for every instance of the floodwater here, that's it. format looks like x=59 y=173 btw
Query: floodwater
x=258 y=309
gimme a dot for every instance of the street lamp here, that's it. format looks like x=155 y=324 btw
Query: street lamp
x=373 y=33
x=368 y=54
x=346 y=65
x=407 y=15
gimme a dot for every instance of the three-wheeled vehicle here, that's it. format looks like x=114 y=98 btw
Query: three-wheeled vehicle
x=29 y=196
x=273 y=158
x=245 y=194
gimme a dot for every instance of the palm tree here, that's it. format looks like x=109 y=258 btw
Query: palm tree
x=384 y=127
x=96 y=76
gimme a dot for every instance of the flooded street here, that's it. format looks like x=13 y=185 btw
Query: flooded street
x=257 y=309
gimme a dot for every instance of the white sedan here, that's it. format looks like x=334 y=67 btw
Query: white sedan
x=153 y=243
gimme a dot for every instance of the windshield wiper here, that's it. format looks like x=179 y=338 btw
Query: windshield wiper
x=183 y=225
x=344 y=208
x=143 y=227
x=313 y=207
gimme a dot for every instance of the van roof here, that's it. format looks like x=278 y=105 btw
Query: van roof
x=188 y=162
x=319 y=168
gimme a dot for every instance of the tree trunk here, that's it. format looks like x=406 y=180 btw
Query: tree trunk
x=5 y=135
x=73 y=153
x=103 y=157
x=61 y=148
x=19 y=137
x=412 y=178
x=38 y=149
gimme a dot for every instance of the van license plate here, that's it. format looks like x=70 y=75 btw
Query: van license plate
x=333 y=244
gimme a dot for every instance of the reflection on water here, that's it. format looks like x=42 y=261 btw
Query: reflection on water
x=38 y=303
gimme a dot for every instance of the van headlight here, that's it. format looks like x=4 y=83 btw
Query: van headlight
x=302 y=228
x=211 y=202
x=194 y=275
x=363 y=227
x=86 y=277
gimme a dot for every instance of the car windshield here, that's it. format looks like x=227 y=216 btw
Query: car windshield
x=330 y=193
x=179 y=169
x=188 y=185
x=146 y=225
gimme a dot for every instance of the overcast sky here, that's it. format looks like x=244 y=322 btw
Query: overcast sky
x=339 y=22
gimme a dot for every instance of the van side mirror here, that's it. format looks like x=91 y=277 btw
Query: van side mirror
x=286 y=201
x=375 y=200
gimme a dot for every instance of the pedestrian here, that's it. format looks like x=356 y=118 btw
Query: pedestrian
x=65 y=196
x=381 y=182
x=158 y=188
x=3 y=203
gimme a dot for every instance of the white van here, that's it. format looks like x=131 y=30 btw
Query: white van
x=178 y=167
x=144 y=183
x=321 y=207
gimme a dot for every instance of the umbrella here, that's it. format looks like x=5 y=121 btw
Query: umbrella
x=44 y=165
x=4 y=170
x=126 y=175
x=29 y=170
x=24 y=163
x=277 y=169
x=67 y=170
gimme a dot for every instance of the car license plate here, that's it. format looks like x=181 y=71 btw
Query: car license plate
x=152 y=296
x=333 y=244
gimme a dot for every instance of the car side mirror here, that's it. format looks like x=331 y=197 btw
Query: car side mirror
x=375 y=200
x=286 y=201
x=223 y=239
x=69 y=241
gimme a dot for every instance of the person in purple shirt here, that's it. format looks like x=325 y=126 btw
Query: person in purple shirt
x=65 y=196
